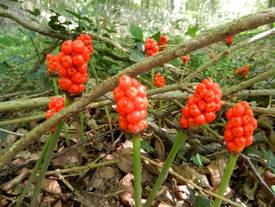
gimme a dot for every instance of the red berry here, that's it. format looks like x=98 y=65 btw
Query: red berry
x=200 y=119
x=66 y=61
x=185 y=59
x=118 y=94
x=78 y=46
x=228 y=135
x=229 y=40
x=78 y=60
x=194 y=110
x=132 y=92
x=184 y=123
x=238 y=131
x=209 y=117
x=64 y=83
x=123 y=123
x=125 y=82
x=66 y=47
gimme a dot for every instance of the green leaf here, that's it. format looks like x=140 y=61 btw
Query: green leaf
x=192 y=30
x=136 y=32
x=202 y=202
x=146 y=146
x=197 y=159
x=156 y=36
x=136 y=55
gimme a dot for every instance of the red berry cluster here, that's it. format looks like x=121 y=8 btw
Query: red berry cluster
x=239 y=129
x=162 y=42
x=151 y=47
x=243 y=71
x=229 y=40
x=159 y=80
x=185 y=59
x=55 y=105
x=132 y=104
x=74 y=71
x=201 y=108
x=71 y=64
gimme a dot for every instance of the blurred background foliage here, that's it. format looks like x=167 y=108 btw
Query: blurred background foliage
x=127 y=22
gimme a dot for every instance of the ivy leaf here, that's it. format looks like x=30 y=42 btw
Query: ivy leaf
x=197 y=159
x=136 y=32
x=156 y=36
x=136 y=55
x=192 y=30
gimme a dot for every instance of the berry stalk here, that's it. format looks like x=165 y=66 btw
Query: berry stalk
x=46 y=161
x=55 y=86
x=226 y=178
x=179 y=139
x=137 y=169
x=34 y=173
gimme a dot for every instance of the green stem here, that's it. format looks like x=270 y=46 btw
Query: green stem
x=81 y=117
x=34 y=172
x=137 y=170
x=180 y=137
x=55 y=86
x=183 y=72
x=152 y=77
x=226 y=178
x=160 y=110
x=45 y=165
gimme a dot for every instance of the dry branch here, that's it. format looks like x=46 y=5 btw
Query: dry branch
x=217 y=34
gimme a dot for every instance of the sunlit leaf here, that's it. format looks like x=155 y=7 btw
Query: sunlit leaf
x=136 y=32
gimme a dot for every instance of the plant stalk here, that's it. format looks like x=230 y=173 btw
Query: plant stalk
x=226 y=178
x=179 y=139
x=137 y=170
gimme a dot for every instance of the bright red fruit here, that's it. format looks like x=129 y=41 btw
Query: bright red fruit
x=162 y=42
x=151 y=47
x=229 y=40
x=240 y=127
x=78 y=46
x=71 y=64
x=66 y=47
x=185 y=59
x=55 y=105
x=132 y=103
x=202 y=106
x=159 y=80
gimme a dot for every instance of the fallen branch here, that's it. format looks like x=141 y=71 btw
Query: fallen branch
x=28 y=119
x=24 y=104
x=217 y=34
x=256 y=93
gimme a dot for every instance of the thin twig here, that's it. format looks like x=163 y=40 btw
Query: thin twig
x=258 y=176
x=173 y=173
x=10 y=132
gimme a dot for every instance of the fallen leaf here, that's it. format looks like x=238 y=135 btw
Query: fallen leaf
x=51 y=186
x=216 y=170
x=126 y=184
x=165 y=204
x=69 y=158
